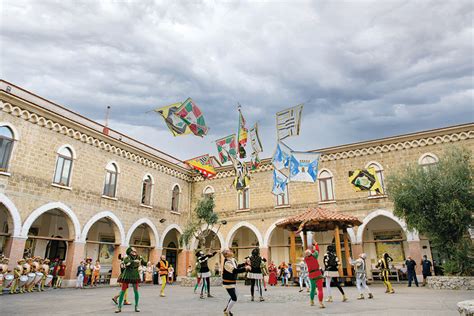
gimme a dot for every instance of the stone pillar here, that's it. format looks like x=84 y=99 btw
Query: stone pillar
x=183 y=262
x=14 y=250
x=414 y=250
x=119 y=249
x=264 y=253
x=155 y=254
x=357 y=249
x=75 y=254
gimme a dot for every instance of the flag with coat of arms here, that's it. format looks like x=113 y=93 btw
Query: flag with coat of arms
x=280 y=181
x=303 y=166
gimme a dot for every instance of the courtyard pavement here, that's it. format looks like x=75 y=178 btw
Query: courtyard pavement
x=278 y=301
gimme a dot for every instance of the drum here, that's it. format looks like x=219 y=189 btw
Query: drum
x=31 y=278
x=49 y=280
x=38 y=278
x=8 y=281
x=23 y=280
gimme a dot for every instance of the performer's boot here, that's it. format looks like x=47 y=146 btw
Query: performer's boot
x=209 y=295
x=321 y=305
x=137 y=309
x=252 y=299
x=311 y=303
x=370 y=296
x=329 y=299
x=262 y=299
x=118 y=310
x=201 y=296
x=344 y=298
x=361 y=296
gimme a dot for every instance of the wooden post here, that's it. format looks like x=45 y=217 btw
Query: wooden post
x=348 y=255
x=305 y=240
x=337 y=240
x=292 y=249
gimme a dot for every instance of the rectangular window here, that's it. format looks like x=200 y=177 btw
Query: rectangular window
x=244 y=199
x=63 y=171
x=146 y=193
x=326 y=192
x=5 y=151
x=110 y=184
x=282 y=199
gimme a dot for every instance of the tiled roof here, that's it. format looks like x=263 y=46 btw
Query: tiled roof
x=319 y=219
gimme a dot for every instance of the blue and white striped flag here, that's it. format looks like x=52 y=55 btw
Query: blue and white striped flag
x=281 y=156
x=304 y=166
x=280 y=181
x=288 y=122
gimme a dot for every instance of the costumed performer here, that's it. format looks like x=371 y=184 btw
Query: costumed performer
x=229 y=277
x=130 y=275
x=331 y=272
x=361 y=276
x=315 y=275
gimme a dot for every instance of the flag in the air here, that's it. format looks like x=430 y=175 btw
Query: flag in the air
x=202 y=164
x=255 y=161
x=304 y=166
x=365 y=180
x=193 y=117
x=242 y=174
x=176 y=124
x=255 y=139
x=226 y=147
x=288 y=122
x=242 y=136
x=281 y=156
x=280 y=181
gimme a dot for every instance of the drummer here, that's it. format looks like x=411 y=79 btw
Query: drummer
x=17 y=273
x=45 y=271
x=3 y=271
x=29 y=270
x=35 y=269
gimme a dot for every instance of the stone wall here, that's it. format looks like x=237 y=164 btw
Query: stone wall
x=450 y=283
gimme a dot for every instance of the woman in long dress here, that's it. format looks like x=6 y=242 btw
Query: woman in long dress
x=272 y=279
x=149 y=273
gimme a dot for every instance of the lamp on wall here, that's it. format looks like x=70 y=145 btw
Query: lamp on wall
x=162 y=220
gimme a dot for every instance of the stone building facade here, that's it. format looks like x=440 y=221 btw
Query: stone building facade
x=71 y=188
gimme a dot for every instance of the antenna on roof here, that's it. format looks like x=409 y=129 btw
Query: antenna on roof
x=106 y=125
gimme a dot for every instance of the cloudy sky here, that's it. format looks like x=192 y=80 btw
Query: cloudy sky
x=363 y=69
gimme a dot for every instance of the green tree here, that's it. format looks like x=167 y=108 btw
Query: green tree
x=200 y=223
x=438 y=201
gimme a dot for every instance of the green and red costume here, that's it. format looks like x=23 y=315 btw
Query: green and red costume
x=315 y=275
x=130 y=275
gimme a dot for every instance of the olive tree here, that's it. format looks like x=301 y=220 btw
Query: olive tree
x=438 y=201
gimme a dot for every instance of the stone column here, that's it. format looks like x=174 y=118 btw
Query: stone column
x=155 y=254
x=414 y=250
x=14 y=250
x=75 y=254
x=264 y=253
x=119 y=249
x=183 y=262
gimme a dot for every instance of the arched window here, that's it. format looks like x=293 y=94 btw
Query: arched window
x=379 y=173
x=110 y=185
x=147 y=187
x=428 y=161
x=244 y=197
x=326 y=187
x=208 y=191
x=62 y=174
x=175 y=199
x=6 y=147
x=282 y=199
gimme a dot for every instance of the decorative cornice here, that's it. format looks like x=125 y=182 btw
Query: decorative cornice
x=88 y=139
x=266 y=165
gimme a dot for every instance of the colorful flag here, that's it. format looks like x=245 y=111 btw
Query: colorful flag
x=242 y=136
x=304 y=166
x=242 y=174
x=227 y=148
x=281 y=156
x=175 y=123
x=193 y=117
x=280 y=181
x=255 y=161
x=202 y=164
x=255 y=139
x=365 y=180
x=288 y=122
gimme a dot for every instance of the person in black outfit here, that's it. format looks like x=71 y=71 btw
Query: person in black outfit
x=411 y=264
x=255 y=275
x=204 y=272
x=426 y=268
x=331 y=272
x=229 y=276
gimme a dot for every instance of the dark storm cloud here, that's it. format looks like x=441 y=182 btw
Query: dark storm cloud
x=363 y=69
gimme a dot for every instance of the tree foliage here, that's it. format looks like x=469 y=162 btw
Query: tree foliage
x=201 y=222
x=438 y=201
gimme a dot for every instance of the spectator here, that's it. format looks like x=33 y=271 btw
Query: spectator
x=426 y=268
x=170 y=275
x=217 y=269
x=403 y=272
x=80 y=275
x=411 y=264
x=95 y=273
